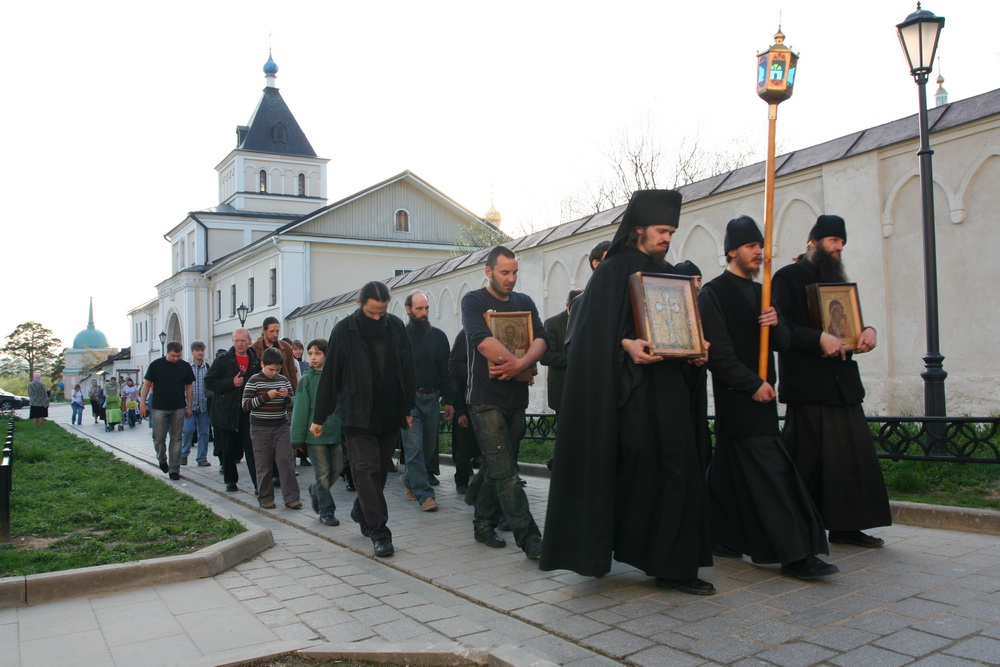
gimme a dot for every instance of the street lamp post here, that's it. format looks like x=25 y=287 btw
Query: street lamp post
x=241 y=313
x=918 y=35
x=163 y=341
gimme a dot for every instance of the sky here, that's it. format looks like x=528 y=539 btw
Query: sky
x=118 y=112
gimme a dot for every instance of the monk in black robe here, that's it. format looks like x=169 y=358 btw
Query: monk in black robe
x=825 y=428
x=759 y=504
x=627 y=480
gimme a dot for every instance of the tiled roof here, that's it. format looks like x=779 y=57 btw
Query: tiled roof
x=261 y=135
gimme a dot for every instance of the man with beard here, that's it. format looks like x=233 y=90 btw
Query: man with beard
x=225 y=379
x=825 y=428
x=759 y=505
x=627 y=481
x=497 y=398
x=368 y=381
x=420 y=441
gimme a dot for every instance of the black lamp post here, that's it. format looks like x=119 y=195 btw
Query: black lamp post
x=163 y=341
x=918 y=35
x=241 y=313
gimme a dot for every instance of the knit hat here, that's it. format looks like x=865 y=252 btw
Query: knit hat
x=828 y=225
x=741 y=231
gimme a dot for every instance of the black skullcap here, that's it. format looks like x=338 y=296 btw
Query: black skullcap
x=647 y=207
x=828 y=225
x=741 y=231
x=687 y=268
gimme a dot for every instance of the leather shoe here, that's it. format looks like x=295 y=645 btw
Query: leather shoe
x=268 y=504
x=809 y=568
x=294 y=505
x=692 y=586
x=232 y=488
x=462 y=489
x=491 y=539
x=360 y=520
x=533 y=547
x=175 y=475
x=409 y=494
x=856 y=538
x=722 y=551
x=329 y=520
x=163 y=465
x=184 y=460
x=203 y=464
x=432 y=480
x=429 y=505
x=383 y=547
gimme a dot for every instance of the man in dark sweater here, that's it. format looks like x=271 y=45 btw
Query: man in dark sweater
x=497 y=398
x=171 y=380
x=420 y=441
x=759 y=505
x=825 y=428
x=368 y=380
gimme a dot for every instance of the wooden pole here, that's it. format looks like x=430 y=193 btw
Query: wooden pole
x=765 y=301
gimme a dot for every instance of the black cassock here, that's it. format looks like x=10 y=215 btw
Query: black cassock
x=627 y=479
x=759 y=504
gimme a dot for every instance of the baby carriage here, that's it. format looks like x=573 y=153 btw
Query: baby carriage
x=132 y=412
x=113 y=413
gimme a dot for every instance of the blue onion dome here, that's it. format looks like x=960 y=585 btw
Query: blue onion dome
x=270 y=69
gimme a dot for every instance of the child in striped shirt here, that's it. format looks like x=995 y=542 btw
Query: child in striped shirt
x=267 y=397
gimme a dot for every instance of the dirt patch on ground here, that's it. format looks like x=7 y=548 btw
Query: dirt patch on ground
x=30 y=542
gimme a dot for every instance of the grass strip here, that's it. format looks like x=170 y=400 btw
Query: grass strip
x=75 y=505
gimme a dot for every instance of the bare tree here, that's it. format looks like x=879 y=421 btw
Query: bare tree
x=473 y=236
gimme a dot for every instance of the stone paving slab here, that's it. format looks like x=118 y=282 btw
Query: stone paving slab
x=929 y=597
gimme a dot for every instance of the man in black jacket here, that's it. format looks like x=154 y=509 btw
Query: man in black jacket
x=368 y=380
x=232 y=424
x=759 y=505
x=825 y=428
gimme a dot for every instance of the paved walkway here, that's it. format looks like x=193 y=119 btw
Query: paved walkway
x=930 y=597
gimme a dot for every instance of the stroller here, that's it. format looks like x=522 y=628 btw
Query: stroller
x=113 y=413
x=132 y=412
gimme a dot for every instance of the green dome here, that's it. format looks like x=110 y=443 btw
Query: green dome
x=91 y=339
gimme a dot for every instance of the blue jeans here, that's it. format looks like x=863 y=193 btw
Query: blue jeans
x=328 y=462
x=198 y=421
x=419 y=443
x=500 y=431
x=77 y=416
x=166 y=422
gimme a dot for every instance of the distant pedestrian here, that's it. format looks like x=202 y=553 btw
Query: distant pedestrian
x=38 y=396
x=96 y=396
x=76 y=404
x=172 y=379
x=200 y=421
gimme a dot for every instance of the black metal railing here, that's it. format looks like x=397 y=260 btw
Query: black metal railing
x=951 y=439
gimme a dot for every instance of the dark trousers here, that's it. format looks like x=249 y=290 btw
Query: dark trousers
x=236 y=445
x=464 y=448
x=500 y=431
x=371 y=460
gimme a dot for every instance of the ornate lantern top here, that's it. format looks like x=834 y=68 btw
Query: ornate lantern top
x=776 y=71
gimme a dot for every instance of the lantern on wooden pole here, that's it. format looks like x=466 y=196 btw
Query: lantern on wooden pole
x=775 y=79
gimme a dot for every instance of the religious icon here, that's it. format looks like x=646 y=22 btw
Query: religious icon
x=834 y=309
x=513 y=330
x=666 y=314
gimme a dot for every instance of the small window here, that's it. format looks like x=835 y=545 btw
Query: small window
x=400 y=271
x=279 y=134
x=218 y=304
x=250 y=294
x=263 y=180
x=273 y=288
x=232 y=301
x=302 y=185
x=402 y=221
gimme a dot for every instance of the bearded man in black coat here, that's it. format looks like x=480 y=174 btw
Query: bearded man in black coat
x=759 y=504
x=825 y=428
x=627 y=481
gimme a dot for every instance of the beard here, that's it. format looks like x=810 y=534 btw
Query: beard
x=831 y=269
x=420 y=323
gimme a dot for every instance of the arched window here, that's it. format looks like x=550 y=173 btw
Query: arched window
x=263 y=180
x=302 y=185
x=402 y=221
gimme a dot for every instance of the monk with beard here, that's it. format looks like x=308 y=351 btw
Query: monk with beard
x=825 y=429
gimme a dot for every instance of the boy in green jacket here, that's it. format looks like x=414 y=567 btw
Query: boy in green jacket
x=325 y=451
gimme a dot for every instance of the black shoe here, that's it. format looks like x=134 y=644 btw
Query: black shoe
x=383 y=547
x=432 y=480
x=163 y=466
x=722 y=551
x=856 y=538
x=503 y=525
x=522 y=482
x=491 y=539
x=692 y=586
x=809 y=568
x=360 y=520
x=462 y=489
x=175 y=475
x=533 y=547
x=329 y=520
x=304 y=462
x=314 y=499
x=350 y=487
x=232 y=488
x=277 y=482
